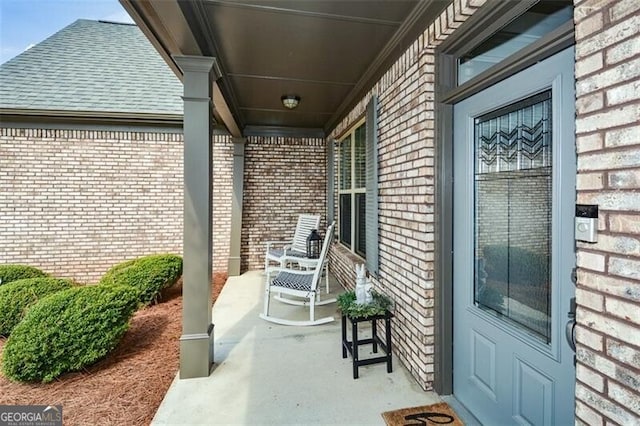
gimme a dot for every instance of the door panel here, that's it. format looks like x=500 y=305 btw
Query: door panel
x=533 y=391
x=483 y=364
x=514 y=198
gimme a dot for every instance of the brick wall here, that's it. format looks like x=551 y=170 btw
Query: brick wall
x=406 y=192
x=76 y=202
x=608 y=145
x=283 y=178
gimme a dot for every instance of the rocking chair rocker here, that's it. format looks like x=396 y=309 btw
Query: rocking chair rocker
x=301 y=284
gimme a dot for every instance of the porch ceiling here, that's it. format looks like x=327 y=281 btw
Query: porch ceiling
x=327 y=52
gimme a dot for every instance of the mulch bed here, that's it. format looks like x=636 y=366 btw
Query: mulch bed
x=127 y=386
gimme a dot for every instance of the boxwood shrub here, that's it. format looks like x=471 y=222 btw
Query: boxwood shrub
x=10 y=273
x=149 y=275
x=18 y=296
x=68 y=331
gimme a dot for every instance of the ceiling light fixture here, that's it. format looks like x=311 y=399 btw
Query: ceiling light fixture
x=290 y=101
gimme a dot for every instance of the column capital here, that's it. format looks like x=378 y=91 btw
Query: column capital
x=238 y=147
x=199 y=64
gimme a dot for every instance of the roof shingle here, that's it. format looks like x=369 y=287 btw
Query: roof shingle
x=91 y=66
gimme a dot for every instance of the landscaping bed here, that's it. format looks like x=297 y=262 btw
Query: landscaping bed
x=128 y=385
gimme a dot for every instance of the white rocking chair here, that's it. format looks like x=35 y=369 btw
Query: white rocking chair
x=302 y=284
x=282 y=251
x=294 y=252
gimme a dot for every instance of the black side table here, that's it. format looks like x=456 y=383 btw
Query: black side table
x=352 y=346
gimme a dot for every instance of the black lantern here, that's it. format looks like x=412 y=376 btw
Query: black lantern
x=313 y=244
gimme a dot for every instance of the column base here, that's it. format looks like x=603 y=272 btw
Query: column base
x=234 y=266
x=196 y=354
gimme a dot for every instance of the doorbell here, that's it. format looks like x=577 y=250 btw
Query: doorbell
x=587 y=223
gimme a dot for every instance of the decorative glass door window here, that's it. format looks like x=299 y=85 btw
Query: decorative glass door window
x=513 y=189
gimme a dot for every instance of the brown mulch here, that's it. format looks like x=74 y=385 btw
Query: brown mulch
x=127 y=387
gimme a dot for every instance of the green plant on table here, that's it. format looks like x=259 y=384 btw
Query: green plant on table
x=349 y=307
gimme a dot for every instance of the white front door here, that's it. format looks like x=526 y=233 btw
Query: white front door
x=514 y=200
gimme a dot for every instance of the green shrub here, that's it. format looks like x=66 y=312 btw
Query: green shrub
x=115 y=270
x=149 y=275
x=10 y=273
x=18 y=296
x=68 y=331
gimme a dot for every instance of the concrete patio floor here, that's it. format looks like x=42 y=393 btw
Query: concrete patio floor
x=266 y=373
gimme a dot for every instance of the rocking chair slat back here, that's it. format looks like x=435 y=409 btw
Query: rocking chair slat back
x=323 y=256
x=306 y=224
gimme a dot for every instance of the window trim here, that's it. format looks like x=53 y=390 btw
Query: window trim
x=331 y=179
x=350 y=133
x=482 y=24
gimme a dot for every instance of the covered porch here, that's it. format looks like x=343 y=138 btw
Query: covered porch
x=239 y=62
x=272 y=374
x=381 y=88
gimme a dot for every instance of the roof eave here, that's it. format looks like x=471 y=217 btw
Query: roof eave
x=142 y=13
x=22 y=114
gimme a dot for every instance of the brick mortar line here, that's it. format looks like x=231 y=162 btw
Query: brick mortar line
x=608 y=315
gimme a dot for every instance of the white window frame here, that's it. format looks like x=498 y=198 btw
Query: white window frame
x=350 y=135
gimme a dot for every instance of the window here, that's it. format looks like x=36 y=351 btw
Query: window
x=538 y=21
x=352 y=190
x=357 y=174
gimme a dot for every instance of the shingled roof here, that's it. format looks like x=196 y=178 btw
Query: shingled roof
x=93 y=66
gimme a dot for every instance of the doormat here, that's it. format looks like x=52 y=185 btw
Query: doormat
x=436 y=414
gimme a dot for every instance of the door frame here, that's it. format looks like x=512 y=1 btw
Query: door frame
x=487 y=20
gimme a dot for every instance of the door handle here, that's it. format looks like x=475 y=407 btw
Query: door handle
x=570 y=328
x=570 y=333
